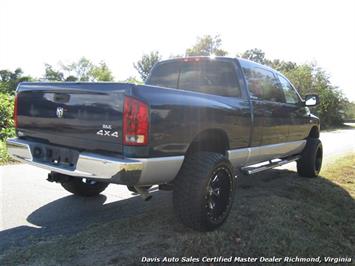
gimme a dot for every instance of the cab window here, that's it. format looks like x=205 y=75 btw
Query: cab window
x=206 y=76
x=291 y=96
x=263 y=84
x=209 y=76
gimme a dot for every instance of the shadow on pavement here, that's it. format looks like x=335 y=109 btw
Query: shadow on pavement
x=71 y=214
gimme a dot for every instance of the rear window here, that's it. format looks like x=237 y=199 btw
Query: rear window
x=206 y=76
x=165 y=75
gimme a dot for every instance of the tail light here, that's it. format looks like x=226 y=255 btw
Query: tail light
x=15 y=111
x=135 y=122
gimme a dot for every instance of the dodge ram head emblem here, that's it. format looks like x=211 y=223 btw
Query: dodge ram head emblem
x=60 y=112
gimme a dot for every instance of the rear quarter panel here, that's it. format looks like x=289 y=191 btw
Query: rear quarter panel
x=178 y=116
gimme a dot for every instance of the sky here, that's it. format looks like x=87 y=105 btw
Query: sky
x=36 y=32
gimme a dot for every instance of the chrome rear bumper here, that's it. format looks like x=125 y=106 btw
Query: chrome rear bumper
x=128 y=171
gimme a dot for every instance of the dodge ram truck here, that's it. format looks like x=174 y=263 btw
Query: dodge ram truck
x=194 y=126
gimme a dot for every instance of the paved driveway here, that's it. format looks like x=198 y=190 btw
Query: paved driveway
x=31 y=206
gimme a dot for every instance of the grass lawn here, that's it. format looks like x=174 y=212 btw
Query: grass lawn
x=275 y=213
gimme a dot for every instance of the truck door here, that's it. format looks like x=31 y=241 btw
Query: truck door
x=271 y=120
x=297 y=112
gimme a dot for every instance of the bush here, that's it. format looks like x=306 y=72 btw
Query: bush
x=350 y=111
x=4 y=156
x=6 y=116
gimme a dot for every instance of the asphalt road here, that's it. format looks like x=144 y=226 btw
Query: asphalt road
x=32 y=207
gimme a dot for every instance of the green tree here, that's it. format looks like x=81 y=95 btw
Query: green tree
x=206 y=46
x=133 y=80
x=82 y=70
x=101 y=72
x=145 y=64
x=302 y=78
x=71 y=78
x=350 y=110
x=256 y=55
x=9 y=80
x=281 y=65
x=52 y=74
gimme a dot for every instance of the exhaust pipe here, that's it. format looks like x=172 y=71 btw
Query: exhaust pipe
x=143 y=192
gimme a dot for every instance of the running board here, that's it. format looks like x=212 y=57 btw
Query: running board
x=249 y=170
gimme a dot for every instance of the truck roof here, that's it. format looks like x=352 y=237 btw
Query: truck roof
x=224 y=58
x=197 y=58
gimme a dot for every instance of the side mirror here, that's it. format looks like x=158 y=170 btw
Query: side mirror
x=311 y=100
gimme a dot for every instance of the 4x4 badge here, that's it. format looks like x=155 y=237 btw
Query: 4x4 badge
x=60 y=112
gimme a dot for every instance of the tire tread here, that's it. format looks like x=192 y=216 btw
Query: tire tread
x=305 y=165
x=189 y=187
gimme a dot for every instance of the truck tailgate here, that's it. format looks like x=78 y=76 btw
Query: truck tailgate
x=86 y=116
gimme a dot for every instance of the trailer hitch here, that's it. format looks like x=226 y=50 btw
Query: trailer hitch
x=58 y=178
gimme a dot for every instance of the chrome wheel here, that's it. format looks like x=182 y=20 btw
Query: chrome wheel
x=219 y=194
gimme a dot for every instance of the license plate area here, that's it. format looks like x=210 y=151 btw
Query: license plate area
x=54 y=155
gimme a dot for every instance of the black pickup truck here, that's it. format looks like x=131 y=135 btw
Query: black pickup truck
x=194 y=127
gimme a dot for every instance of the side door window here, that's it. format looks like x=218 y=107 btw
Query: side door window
x=291 y=95
x=263 y=84
x=298 y=114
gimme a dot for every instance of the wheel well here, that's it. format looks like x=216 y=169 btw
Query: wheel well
x=214 y=140
x=314 y=133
